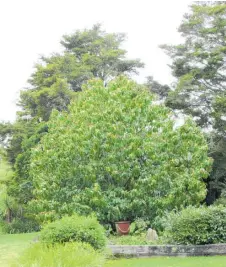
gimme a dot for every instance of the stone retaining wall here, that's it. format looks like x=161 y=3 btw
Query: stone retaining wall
x=168 y=250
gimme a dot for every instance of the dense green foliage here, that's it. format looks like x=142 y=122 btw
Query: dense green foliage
x=20 y=224
x=5 y=130
x=16 y=186
x=5 y=175
x=117 y=153
x=199 y=66
x=20 y=187
x=74 y=228
x=5 y=167
x=62 y=255
x=12 y=135
x=197 y=226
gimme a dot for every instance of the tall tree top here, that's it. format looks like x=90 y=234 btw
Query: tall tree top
x=199 y=62
x=89 y=53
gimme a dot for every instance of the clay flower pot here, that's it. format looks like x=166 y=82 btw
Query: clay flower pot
x=122 y=227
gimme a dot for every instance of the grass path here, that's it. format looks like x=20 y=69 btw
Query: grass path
x=12 y=245
x=216 y=261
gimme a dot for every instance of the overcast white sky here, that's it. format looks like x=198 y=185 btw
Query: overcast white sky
x=30 y=28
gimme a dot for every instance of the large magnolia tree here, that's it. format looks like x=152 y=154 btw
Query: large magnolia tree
x=119 y=154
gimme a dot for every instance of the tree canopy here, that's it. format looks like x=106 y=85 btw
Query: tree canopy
x=87 y=54
x=119 y=154
x=199 y=62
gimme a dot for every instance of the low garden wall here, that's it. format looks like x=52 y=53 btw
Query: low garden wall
x=168 y=250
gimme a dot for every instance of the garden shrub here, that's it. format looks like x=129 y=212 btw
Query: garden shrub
x=66 y=255
x=198 y=226
x=75 y=228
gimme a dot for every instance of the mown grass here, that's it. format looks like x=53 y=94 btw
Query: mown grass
x=11 y=246
x=216 y=261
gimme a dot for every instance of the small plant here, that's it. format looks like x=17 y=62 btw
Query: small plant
x=66 y=255
x=75 y=228
x=139 y=226
x=198 y=226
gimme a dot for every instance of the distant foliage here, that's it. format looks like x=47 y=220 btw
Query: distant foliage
x=198 y=64
x=20 y=225
x=65 y=255
x=74 y=228
x=198 y=226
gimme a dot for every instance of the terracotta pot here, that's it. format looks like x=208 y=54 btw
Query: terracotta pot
x=122 y=227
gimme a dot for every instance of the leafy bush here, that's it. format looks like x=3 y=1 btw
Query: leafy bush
x=75 y=228
x=204 y=225
x=67 y=255
x=220 y=201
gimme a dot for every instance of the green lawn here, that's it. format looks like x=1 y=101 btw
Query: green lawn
x=217 y=261
x=12 y=245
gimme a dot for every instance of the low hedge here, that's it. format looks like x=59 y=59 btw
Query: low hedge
x=198 y=226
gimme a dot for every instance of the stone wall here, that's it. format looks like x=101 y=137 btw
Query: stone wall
x=168 y=250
